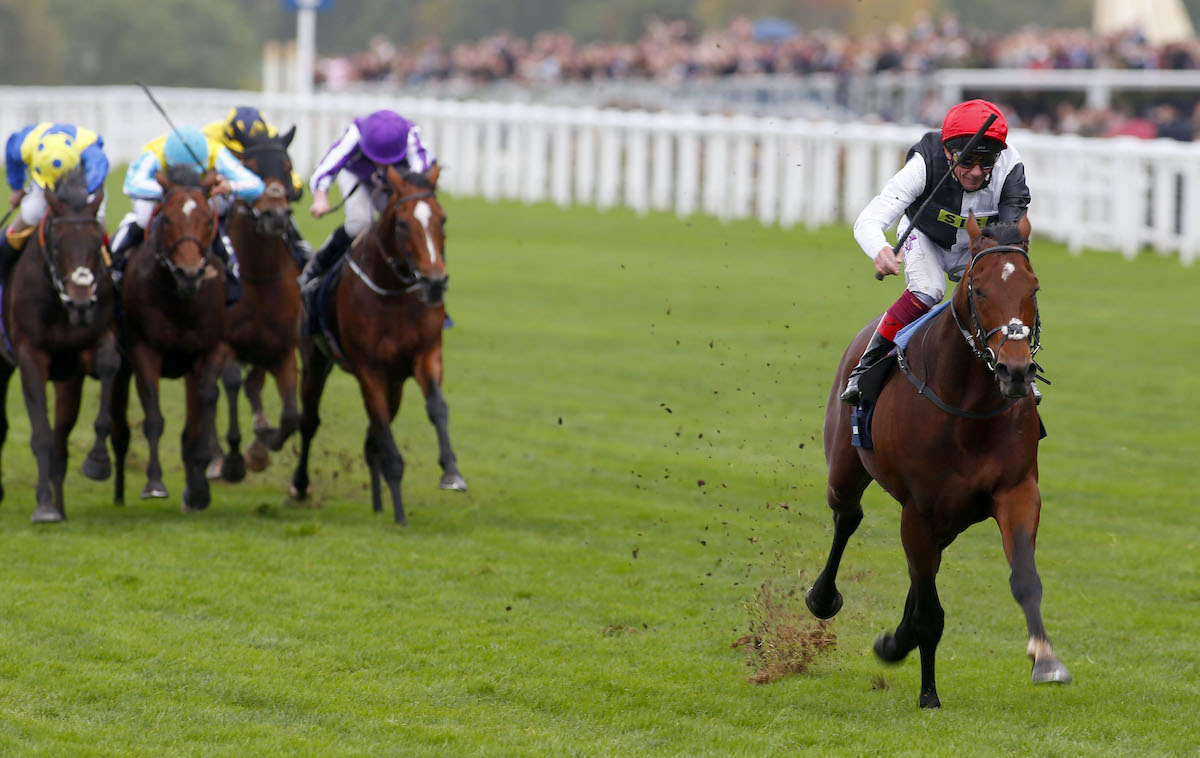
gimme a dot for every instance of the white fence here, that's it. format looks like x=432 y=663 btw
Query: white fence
x=1121 y=194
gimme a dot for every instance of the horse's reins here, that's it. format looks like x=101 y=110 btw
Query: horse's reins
x=410 y=279
x=976 y=338
x=166 y=258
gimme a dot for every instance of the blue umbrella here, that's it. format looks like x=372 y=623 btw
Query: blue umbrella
x=769 y=29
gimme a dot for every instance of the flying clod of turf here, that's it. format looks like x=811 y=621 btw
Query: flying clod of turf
x=784 y=638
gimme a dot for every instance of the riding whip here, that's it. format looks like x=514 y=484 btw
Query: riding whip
x=170 y=123
x=7 y=216
x=912 y=224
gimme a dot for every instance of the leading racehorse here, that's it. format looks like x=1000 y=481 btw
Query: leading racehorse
x=173 y=301
x=58 y=308
x=954 y=444
x=385 y=320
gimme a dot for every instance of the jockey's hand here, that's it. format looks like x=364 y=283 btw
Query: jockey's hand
x=16 y=198
x=320 y=203
x=886 y=261
x=222 y=187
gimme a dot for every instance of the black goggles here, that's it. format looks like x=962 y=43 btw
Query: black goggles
x=986 y=161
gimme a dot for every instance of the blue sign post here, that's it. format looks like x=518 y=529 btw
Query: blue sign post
x=320 y=6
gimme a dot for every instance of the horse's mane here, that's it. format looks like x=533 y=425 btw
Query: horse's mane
x=1004 y=233
x=72 y=188
x=185 y=175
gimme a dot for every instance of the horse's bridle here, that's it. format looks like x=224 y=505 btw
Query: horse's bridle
x=81 y=278
x=166 y=257
x=977 y=338
x=409 y=277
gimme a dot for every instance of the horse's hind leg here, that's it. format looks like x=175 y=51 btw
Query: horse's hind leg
x=371 y=453
x=376 y=398
x=234 y=467
x=923 y=621
x=1017 y=512
x=316 y=372
x=67 y=397
x=427 y=370
x=847 y=481
x=108 y=362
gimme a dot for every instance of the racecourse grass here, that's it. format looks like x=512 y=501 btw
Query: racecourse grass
x=636 y=403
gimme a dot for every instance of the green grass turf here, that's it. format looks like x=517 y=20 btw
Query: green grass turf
x=634 y=400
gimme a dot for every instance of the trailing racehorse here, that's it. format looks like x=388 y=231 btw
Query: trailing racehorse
x=173 y=301
x=263 y=327
x=384 y=324
x=58 y=308
x=954 y=444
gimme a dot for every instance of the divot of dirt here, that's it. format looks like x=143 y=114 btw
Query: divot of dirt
x=784 y=638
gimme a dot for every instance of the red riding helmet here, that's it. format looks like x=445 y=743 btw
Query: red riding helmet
x=964 y=119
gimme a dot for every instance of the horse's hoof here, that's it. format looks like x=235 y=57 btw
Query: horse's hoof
x=297 y=494
x=187 y=506
x=47 y=514
x=234 y=469
x=823 y=613
x=155 y=490
x=930 y=700
x=886 y=650
x=453 y=481
x=257 y=456
x=1050 y=671
x=97 y=469
x=214 y=468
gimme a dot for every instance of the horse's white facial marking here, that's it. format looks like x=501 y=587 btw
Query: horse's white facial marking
x=423 y=213
x=1007 y=271
x=82 y=277
x=1016 y=330
x=189 y=205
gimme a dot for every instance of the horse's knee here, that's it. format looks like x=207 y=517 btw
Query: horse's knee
x=108 y=363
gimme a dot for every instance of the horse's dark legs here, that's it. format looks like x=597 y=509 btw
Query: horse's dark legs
x=258 y=455
x=108 y=362
x=924 y=618
x=390 y=463
x=428 y=373
x=847 y=481
x=316 y=371
x=234 y=467
x=6 y=372
x=201 y=408
x=371 y=453
x=35 y=369
x=289 y=420
x=148 y=369
x=1017 y=513
x=67 y=398
x=120 y=430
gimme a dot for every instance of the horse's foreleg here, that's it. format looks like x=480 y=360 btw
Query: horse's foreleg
x=35 y=370
x=234 y=467
x=289 y=418
x=924 y=618
x=391 y=465
x=120 y=430
x=148 y=368
x=6 y=372
x=256 y=378
x=847 y=480
x=316 y=371
x=108 y=362
x=1017 y=513
x=67 y=397
x=427 y=370
x=193 y=442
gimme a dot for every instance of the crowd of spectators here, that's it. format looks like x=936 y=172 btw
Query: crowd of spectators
x=673 y=52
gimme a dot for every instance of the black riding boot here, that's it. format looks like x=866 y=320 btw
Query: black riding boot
x=878 y=347
x=8 y=256
x=334 y=248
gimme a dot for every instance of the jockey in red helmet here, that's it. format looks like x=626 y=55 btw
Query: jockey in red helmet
x=990 y=182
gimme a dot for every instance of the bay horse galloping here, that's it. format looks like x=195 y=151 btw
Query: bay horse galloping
x=173 y=301
x=385 y=318
x=263 y=327
x=954 y=444
x=58 y=308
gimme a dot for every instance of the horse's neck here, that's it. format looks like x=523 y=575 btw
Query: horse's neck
x=372 y=259
x=257 y=255
x=942 y=358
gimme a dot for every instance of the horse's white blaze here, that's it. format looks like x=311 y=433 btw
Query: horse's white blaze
x=424 y=214
x=189 y=205
x=1007 y=271
x=82 y=277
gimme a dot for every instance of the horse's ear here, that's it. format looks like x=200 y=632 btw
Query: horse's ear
x=434 y=172
x=287 y=136
x=1023 y=227
x=394 y=178
x=96 y=201
x=161 y=178
x=973 y=229
x=57 y=206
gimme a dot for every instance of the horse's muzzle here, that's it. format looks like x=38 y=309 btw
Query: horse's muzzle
x=272 y=223
x=1014 y=380
x=433 y=289
x=188 y=283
